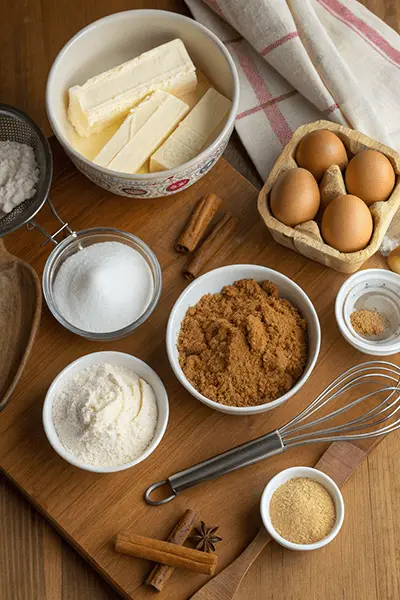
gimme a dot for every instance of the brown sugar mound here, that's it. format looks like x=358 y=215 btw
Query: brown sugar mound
x=243 y=346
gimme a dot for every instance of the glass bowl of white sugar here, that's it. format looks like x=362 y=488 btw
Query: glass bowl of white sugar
x=102 y=283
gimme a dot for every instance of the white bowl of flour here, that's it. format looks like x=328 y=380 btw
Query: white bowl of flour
x=106 y=412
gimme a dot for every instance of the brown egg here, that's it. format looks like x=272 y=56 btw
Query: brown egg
x=294 y=197
x=393 y=260
x=370 y=176
x=347 y=224
x=320 y=149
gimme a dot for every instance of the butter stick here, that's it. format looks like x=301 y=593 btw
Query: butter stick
x=195 y=132
x=108 y=96
x=145 y=128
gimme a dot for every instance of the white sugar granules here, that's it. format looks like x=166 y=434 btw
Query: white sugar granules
x=103 y=287
x=18 y=175
x=105 y=415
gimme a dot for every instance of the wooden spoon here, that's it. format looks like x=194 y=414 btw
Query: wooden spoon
x=20 y=308
x=339 y=462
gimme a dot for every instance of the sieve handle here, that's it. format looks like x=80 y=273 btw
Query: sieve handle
x=241 y=456
x=49 y=236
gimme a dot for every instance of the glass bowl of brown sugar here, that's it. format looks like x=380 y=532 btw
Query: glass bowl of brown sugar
x=243 y=339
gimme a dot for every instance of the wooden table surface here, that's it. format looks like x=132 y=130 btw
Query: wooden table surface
x=35 y=564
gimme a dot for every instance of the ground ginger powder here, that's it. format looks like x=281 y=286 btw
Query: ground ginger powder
x=243 y=346
x=368 y=322
x=302 y=511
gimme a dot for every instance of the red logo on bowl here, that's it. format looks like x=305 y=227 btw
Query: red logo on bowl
x=177 y=185
x=135 y=191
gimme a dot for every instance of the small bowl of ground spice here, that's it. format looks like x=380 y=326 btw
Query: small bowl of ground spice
x=368 y=311
x=243 y=339
x=302 y=508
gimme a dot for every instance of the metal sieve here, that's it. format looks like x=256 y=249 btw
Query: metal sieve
x=16 y=126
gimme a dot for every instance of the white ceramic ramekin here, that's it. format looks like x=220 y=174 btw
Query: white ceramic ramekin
x=310 y=473
x=372 y=289
x=115 y=358
x=116 y=39
x=212 y=283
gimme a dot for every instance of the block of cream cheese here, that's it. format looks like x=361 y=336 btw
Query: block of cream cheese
x=193 y=134
x=142 y=132
x=109 y=96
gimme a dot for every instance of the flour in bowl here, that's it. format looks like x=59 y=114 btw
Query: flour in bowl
x=105 y=415
x=18 y=175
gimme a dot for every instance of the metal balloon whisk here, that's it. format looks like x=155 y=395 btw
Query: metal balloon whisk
x=377 y=413
x=382 y=377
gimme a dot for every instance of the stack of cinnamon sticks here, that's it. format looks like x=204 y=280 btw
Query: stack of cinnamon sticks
x=201 y=217
x=168 y=555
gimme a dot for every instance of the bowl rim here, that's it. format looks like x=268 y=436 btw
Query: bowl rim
x=54 y=440
x=366 y=346
x=143 y=176
x=109 y=335
x=241 y=410
x=316 y=475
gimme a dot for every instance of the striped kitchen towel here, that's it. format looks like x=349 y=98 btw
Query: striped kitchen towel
x=303 y=60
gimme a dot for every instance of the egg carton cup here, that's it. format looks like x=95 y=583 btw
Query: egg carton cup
x=306 y=238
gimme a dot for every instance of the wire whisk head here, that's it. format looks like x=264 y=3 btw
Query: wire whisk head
x=380 y=407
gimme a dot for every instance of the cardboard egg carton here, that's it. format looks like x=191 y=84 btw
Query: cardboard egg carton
x=306 y=238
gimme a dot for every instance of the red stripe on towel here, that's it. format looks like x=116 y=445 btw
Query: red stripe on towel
x=213 y=4
x=370 y=35
x=330 y=109
x=282 y=40
x=255 y=109
x=275 y=117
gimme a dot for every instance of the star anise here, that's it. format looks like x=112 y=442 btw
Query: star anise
x=205 y=537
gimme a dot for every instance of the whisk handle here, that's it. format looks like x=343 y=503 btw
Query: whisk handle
x=241 y=456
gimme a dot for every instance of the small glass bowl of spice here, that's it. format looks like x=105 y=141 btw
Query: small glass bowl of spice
x=368 y=311
x=102 y=283
x=302 y=508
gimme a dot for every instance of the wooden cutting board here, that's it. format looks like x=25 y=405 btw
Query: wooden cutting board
x=89 y=509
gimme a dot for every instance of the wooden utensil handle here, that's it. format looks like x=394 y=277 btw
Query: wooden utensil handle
x=339 y=462
x=251 y=552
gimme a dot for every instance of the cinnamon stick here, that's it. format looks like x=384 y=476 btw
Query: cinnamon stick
x=213 y=242
x=202 y=215
x=161 y=573
x=166 y=553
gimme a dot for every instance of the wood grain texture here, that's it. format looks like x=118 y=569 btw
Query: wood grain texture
x=20 y=309
x=90 y=509
x=339 y=461
x=35 y=563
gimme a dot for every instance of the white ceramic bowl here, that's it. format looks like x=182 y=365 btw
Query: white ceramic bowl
x=212 y=283
x=321 y=478
x=372 y=289
x=116 y=39
x=114 y=358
